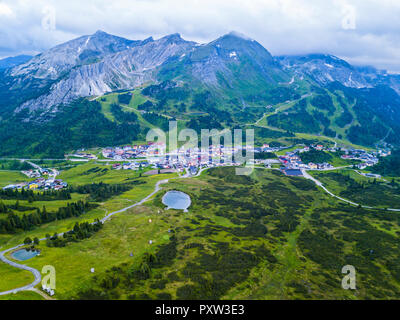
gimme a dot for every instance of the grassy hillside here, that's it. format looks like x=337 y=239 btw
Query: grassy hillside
x=266 y=236
x=346 y=115
x=12 y=278
x=357 y=188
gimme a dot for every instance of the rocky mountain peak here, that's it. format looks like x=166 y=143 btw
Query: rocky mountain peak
x=147 y=40
x=172 y=37
x=324 y=69
x=100 y=33
x=236 y=34
x=95 y=64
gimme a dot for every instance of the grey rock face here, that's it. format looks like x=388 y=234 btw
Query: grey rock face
x=392 y=81
x=209 y=62
x=55 y=62
x=101 y=63
x=325 y=69
x=116 y=64
x=381 y=77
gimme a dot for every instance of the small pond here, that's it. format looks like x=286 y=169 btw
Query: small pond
x=177 y=200
x=23 y=254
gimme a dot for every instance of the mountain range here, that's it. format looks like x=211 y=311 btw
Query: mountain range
x=232 y=80
x=10 y=62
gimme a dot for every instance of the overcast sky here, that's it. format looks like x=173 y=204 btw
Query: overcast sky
x=361 y=31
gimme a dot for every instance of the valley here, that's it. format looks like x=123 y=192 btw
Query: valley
x=81 y=188
x=144 y=251
x=154 y=81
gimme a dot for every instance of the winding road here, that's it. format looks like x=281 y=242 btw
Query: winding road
x=36 y=273
x=157 y=188
x=320 y=184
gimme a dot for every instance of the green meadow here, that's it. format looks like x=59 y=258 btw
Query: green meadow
x=360 y=189
x=264 y=236
x=76 y=176
x=11 y=177
x=12 y=278
x=253 y=238
x=79 y=176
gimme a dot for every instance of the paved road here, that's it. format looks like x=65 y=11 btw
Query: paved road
x=35 y=272
x=200 y=172
x=331 y=169
x=364 y=175
x=19 y=159
x=156 y=189
x=320 y=184
x=35 y=165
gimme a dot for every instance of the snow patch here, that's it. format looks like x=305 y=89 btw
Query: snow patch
x=329 y=65
x=85 y=44
x=329 y=77
x=87 y=40
x=52 y=70
x=233 y=54
x=350 y=78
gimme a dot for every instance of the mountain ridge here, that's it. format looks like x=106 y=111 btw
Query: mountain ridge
x=232 y=81
x=100 y=63
x=10 y=62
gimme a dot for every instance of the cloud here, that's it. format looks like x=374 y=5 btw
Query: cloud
x=5 y=10
x=364 y=31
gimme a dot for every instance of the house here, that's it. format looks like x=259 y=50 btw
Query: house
x=325 y=165
x=265 y=147
x=313 y=166
x=361 y=166
x=126 y=166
